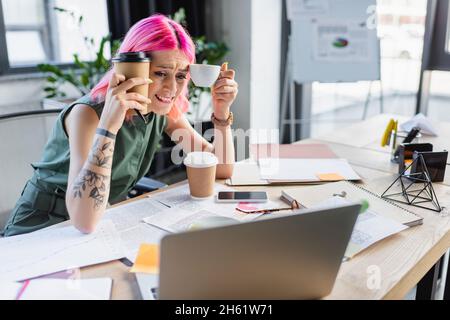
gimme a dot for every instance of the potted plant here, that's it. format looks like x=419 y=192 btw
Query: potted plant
x=83 y=76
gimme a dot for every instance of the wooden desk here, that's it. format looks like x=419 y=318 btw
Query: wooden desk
x=401 y=260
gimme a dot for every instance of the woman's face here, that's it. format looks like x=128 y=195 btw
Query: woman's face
x=168 y=70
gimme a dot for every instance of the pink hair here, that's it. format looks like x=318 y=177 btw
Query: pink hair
x=154 y=33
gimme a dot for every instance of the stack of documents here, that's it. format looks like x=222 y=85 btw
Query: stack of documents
x=305 y=170
x=291 y=164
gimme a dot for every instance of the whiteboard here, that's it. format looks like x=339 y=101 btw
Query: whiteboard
x=333 y=40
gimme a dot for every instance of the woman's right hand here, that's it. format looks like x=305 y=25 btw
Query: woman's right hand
x=118 y=101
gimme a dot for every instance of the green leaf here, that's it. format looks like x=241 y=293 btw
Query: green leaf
x=85 y=79
x=50 y=68
x=77 y=61
x=60 y=9
x=51 y=79
x=100 y=61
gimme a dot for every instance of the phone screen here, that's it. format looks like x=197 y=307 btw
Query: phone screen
x=242 y=195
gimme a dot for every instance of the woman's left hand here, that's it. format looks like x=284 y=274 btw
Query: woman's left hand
x=224 y=92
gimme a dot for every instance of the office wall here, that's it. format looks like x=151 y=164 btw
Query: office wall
x=24 y=92
x=19 y=93
x=231 y=23
x=252 y=29
x=265 y=68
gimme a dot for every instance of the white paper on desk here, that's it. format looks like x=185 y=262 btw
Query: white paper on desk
x=179 y=197
x=184 y=210
x=131 y=214
x=72 y=289
x=9 y=290
x=132 y=238
x=178 y=220
x=421 y=121
x=304 y=170
x=48 y=251
x=370 y=227
x=246 y=173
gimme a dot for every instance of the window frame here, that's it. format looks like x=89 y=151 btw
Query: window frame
x=121 y=15
x=7 y=69
x=436 y=43
x=435 y=55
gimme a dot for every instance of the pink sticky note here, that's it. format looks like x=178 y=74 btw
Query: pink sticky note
x=247 y=206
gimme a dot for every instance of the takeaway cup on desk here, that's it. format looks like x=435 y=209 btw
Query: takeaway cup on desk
x=201 y=173
x=204 y=75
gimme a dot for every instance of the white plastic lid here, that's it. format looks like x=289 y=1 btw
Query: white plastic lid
x=198 y=159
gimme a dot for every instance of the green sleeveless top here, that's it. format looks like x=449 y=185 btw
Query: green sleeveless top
x=136 y=143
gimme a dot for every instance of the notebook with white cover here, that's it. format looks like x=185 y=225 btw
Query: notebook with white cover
x=306 y=170
x=312 y=195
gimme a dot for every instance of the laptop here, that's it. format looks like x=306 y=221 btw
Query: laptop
x=295 y=256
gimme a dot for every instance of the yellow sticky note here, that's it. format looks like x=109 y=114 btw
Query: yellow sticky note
x=329 y=176
x=147 y=260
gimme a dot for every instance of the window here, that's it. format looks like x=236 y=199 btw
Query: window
x=35 y=32
x=401 y=28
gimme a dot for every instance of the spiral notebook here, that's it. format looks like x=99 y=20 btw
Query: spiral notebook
x=312 y=195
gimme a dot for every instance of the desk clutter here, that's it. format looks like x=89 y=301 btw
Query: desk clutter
x=29 y=257
x=275 y=164
x=418 y=165
x=413 y=186
x=124 y=229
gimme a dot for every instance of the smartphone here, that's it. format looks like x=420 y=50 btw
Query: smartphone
x=241 y=196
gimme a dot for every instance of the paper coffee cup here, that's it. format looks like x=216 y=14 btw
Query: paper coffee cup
x=204 y=75
x=201 y=172
x=133 y=65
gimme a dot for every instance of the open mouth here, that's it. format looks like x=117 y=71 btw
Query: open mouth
x=164 y=99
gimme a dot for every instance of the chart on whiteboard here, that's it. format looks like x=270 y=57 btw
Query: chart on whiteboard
x=341 y=41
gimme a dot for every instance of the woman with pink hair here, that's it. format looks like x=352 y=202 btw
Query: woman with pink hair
x=98 y=149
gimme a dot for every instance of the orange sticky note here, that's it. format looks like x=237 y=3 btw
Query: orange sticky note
x=408 y=161
x=147 y=260
x=329 y=176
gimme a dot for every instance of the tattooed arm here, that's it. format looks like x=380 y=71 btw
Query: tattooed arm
x=91 y=153
x=90 y=169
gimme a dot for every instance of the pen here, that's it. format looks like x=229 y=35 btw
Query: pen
x=411 y=135
x=409 y=138
x=22 y=289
